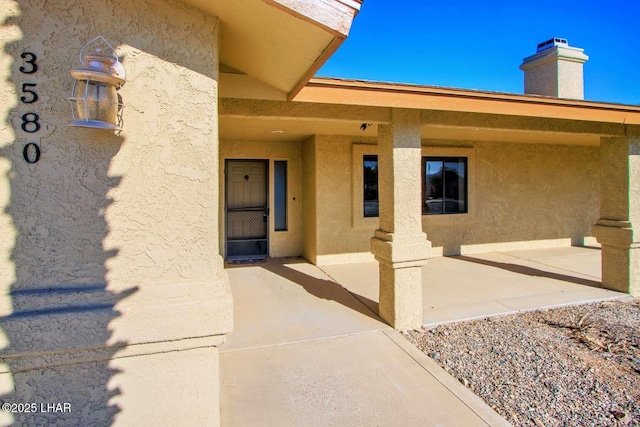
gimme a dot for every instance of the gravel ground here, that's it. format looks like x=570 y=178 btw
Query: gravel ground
x=571 y=366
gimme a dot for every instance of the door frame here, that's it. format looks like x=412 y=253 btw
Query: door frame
x=226 y=199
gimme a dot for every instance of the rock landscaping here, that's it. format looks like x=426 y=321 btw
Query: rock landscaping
x=570 y=366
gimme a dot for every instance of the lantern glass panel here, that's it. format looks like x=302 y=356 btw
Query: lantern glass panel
x=95 y=101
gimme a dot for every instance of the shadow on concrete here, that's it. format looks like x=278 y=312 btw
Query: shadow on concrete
x=320 y=288
x=530 y=271
x=597 y=248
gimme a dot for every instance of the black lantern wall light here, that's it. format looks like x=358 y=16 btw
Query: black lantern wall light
x=95 y=101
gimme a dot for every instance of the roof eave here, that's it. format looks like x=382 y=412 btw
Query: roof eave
x=381 y=94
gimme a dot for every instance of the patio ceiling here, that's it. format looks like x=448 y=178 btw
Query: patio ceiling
x=444 y=117
x=254 y=129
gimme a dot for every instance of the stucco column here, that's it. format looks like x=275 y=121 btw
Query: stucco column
x=618 y=229
x=400 y=245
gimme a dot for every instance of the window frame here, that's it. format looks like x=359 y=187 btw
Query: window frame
x=369 y=158
x=430 y=148
x=280 y=211
x=444 y=160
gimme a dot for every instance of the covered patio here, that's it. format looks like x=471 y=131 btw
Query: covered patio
x=480 y=285
x=288 y=299
x=308 y=346
x=529 y=172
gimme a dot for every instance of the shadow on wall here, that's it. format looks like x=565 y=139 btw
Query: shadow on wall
x=57 y=307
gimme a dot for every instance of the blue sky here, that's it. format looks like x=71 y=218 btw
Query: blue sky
x=480 y=45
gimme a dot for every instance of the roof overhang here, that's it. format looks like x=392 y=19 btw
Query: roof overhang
x=271 y=48
x=433 y=98
x=341 y=107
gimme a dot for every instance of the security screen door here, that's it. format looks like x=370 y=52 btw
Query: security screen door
x=246 y=208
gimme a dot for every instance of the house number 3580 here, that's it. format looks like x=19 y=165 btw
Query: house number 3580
x=30 y=121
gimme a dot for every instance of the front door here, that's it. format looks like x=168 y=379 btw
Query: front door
x=246 y=209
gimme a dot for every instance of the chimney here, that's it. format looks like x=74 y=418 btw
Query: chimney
x=555 y=70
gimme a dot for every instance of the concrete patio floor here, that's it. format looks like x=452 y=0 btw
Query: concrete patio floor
x=309 y=349
x=475 y=286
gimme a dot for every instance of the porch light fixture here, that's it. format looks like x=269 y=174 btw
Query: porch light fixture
x=95 y=102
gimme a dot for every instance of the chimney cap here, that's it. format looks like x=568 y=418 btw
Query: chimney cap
x=556 y=41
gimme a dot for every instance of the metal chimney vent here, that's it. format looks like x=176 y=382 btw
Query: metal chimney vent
x=556 y=41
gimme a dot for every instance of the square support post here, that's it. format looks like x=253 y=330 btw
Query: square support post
x=618 y=229
x=400 y=245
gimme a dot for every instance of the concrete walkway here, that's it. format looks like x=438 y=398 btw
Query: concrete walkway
x=305 y=352
x=309 y=350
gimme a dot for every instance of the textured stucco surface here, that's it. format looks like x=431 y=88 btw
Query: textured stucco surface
x=400 y=296
x=517 y=193
x=542 y=80
x=281 y=243
x=556 y=72
x=527 y=192
x=335 y=233
x=617 y=229
x=399 y=173
x=310 y=195
x=101 y=384
x=399 y=244
x=110 y=240
x=570 y=80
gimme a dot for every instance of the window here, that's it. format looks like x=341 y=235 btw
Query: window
x=371 y=206
x=444 y=185
x=280 y=194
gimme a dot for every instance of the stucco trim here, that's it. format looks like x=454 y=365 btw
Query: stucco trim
x=62 y=357
x=557 y=53
x=480 y=248
x=514 y=246
x=438 y=251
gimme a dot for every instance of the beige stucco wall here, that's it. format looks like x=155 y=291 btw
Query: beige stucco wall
x=111 y=240
x=281 y=243
x=523 y=193
x=334 y=183
x=520 y=196
x=309 y=194
x=617 y=227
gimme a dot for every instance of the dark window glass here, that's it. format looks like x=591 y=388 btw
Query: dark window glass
x=444 y=185
x=280 y=195
x=371 y=206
